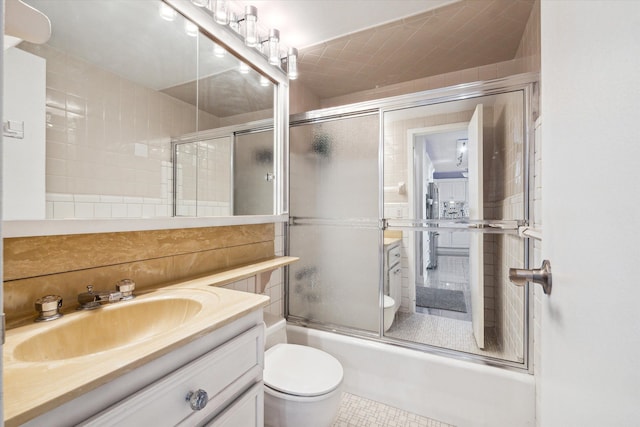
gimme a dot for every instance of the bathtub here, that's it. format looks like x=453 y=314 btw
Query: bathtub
x=453 y=391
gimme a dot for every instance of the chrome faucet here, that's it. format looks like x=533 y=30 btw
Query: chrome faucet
x=93 y=299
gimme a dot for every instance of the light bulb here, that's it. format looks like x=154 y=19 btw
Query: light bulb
x=292 y=63
x=251 y=26
x=220 y=13
x=273 y=47
x=167 y=12
x=244 y=68
x=234 y=21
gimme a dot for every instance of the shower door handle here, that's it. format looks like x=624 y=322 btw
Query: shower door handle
x=541 y=276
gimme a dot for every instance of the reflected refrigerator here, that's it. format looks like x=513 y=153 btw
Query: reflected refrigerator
x=432 y=209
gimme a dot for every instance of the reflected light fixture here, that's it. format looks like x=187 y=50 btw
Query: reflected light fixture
x=167 y=12
x=190 y=28
x=251 y=26
x=201 y=3
x=219 y=51
x=264 y=81
x=244 y=68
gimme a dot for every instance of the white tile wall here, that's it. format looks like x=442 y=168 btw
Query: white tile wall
x=107 y=136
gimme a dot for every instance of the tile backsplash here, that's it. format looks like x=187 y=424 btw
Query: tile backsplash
x=65 y=265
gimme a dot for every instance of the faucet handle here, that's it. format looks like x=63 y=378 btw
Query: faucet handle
x=126 y=287
x=48 y=308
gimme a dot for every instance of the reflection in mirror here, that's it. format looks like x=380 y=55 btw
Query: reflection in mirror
x=253 y=174
x=459 y=161
x=203 y=178
x=225 y=175
x=101 y=102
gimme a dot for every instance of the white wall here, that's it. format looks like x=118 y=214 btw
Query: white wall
x=23 y=160
x=590 y=359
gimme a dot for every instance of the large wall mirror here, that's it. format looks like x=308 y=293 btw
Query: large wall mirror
x=102 y=101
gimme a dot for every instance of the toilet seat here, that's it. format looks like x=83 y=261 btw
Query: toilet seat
x=300 y=370
x=388 y=302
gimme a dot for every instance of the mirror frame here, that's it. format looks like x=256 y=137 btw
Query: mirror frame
x=228 y=39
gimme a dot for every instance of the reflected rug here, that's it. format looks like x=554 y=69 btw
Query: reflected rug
x=442 y=299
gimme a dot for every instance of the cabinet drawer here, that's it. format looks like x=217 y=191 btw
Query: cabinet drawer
x=393 y=255
x=246 y=411
x=223 y=373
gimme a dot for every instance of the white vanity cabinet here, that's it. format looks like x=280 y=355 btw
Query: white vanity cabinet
x=226 y=363
x=393 y=272
x=224 y=374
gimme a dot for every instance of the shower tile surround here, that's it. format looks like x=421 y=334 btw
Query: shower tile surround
x=65 y=265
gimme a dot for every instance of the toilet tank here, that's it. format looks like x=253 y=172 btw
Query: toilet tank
x=276 y=330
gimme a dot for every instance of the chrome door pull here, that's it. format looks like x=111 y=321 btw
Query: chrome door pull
x=541 y=276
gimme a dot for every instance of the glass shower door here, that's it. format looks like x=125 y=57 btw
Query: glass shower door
x=334 y=229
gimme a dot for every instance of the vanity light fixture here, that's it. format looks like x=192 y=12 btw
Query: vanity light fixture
x=264 y=81
x=167 y=12
x=244 y=68
x=273 y=47
x=221 y=12
x=250 y=26
x=292 y=63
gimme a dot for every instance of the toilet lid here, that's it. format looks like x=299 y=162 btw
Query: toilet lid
x=300 y=370
x=388 y=301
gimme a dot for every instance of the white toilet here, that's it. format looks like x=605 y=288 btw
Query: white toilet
x=302 y=385
x=389 y=311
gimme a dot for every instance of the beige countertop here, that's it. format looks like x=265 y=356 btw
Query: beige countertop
x=392 y=240
x=34 y=385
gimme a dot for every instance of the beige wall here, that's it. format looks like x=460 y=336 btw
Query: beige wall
x=529 y=48
x=65 y=265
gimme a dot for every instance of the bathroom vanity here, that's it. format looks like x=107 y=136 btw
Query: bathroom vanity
x=393 y=269
x=191 y=353
x=221 y=387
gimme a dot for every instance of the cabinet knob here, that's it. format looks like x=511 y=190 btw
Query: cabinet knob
x=197 y=399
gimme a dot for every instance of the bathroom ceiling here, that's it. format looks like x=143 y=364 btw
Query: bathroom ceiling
x=456 y=36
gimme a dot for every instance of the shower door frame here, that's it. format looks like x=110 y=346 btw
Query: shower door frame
x=528 y=83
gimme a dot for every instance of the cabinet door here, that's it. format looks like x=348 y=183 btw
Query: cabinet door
x=223 y=373
x=246 y=411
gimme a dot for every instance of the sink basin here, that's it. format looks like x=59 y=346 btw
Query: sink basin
x=110 y=327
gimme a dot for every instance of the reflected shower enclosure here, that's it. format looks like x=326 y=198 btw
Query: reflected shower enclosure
x=232 y=173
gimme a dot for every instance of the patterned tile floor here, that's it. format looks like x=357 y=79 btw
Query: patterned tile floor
x=357 y=411
x=443 y=328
